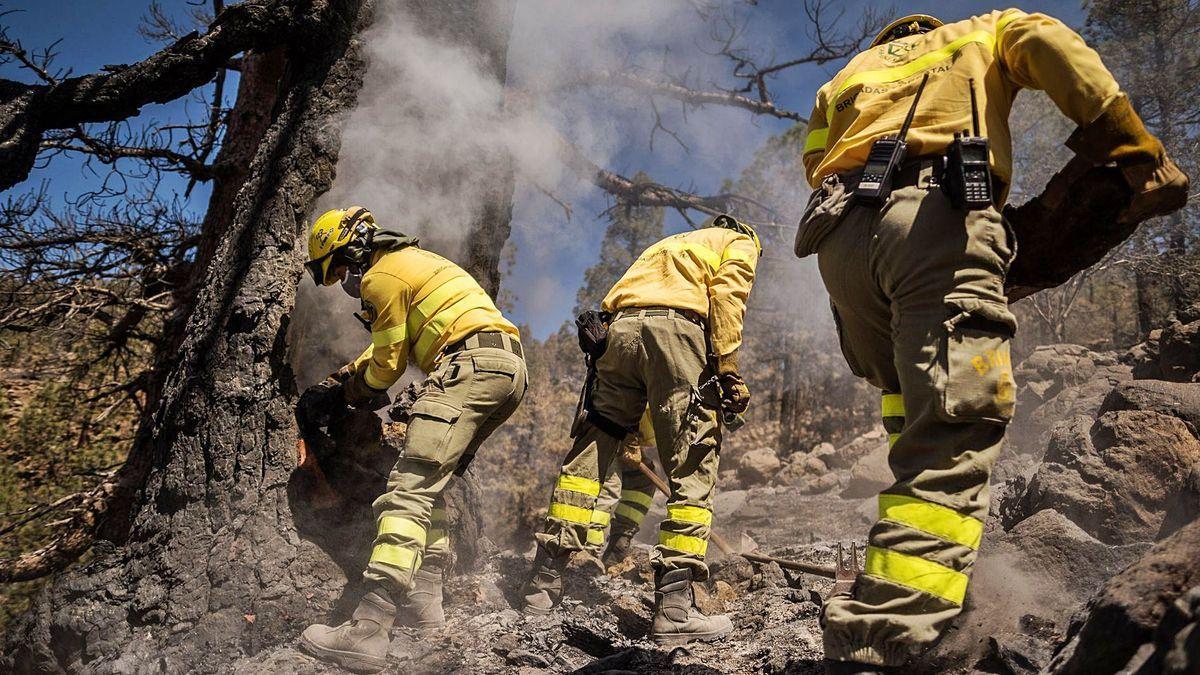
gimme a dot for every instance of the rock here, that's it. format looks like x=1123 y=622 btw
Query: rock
x=1179 y=346
x=826 y=453
x=869 y=475
x=758 y=467
x=845 y=456
x=800 y=470
x=1130 y=610
x=1168 y=398
x=818 y=484
x=1128 y=477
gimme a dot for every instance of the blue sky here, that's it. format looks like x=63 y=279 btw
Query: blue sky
x=94 y=34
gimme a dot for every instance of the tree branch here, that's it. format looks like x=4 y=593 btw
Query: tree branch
x=695 y=97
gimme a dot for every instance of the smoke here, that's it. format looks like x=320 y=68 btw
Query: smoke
x=436 y=128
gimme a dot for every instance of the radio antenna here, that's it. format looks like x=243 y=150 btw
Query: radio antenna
x=913 y=110
x=974 y=107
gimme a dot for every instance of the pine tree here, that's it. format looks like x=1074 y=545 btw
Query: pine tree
x=631 y=230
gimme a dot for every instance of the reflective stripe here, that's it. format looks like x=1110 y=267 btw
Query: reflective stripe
x=441 y=323
x=601 y=518
x=396 y=556
x=578 y=484
x=816 y=140
x=630 y=513
x=570 y=513
x=374 y=381
x=402 y=527
x=683 y=543
x=690 y=514
x=389 y=336
x=595 y=537
x=892 y=438
x=433 y=314
x=931 y=518
x=637 y=497
x=436 y=538
x=893 y=405
x=913 y=67
x=1010 y=16
x=918 y=573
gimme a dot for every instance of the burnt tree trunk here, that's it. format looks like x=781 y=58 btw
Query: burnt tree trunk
x=212 y=567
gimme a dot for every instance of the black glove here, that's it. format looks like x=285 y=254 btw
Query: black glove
x=320 y=404
x=592 y=329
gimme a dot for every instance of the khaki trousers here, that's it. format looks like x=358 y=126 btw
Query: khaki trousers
x=467 y=397
x=625 y=499
x=661 y=361
x=917 y=289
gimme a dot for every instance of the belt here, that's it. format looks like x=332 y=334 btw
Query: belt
x=923 y=172
x=490 y=339
x=669 y=312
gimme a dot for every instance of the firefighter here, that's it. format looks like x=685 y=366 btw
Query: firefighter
x=417 y=304
x=672 y=343
x=916 y=283
x=625 y=499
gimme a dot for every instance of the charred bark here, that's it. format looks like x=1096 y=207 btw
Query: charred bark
x=213 y=567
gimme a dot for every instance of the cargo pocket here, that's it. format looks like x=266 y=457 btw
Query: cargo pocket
x=976 y=362
x=846 y=351
x=826 y=206
x=429 y=430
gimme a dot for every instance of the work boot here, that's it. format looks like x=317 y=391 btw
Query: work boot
x=544 y=590
x=833 y=667
x=423 y=609
x=676 y=619
x=360 y=644
x=620 y=545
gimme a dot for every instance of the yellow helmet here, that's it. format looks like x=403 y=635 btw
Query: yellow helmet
x=338 y=235
x=905 y=26
x=730 y=223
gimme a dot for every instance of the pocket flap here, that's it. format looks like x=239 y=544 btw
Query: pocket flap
x=427 y=407
x=976 y=310
x=492 y=364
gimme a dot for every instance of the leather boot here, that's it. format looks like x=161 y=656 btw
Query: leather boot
x=423 y=609
x=544 y=590
x=360 y=644
x=676 y=619
x=620 y=545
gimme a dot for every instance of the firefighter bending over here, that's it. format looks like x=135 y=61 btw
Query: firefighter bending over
x=672 y=346
x=913 y=252
x=416 y=304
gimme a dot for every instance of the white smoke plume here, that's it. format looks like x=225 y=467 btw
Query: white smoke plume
x=430 y=110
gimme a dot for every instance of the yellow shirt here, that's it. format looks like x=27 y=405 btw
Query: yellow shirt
x=1003 y=52
x=418 y=301
x=708 y=271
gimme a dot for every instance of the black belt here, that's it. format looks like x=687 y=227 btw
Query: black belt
x=669 y=312
x=491 y=339
x=923 y=172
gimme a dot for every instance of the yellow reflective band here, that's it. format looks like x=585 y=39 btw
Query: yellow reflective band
x=1009 y=16
x=396 y=556
x=595 y=537
x=683 y=543
x=932 y=519
x=442 y=321
x=690 y=514
x=436 y=538
x=637 y=497
x=374 y=381
x=892 y=438
x=816 y=140
x=630 y=513
x=918 y=573
x=426 y=307
x=578 y=484
x=601 y=518
x=913 y=67
x=570 y=513
x=893 y=405
x=389 y=336
x=402 y=527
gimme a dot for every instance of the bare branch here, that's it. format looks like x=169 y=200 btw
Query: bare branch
x=693 y=97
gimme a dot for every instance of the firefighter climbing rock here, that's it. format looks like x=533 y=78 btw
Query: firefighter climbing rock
x=417 y=304
x=913 y=251
x=674 y=332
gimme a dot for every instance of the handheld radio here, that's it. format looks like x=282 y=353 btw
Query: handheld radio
x=884 y=160
x=968 y=178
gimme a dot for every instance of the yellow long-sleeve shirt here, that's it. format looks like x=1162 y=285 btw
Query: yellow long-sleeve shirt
x=708 y=271
x=1003 y=52
x=419 y=302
